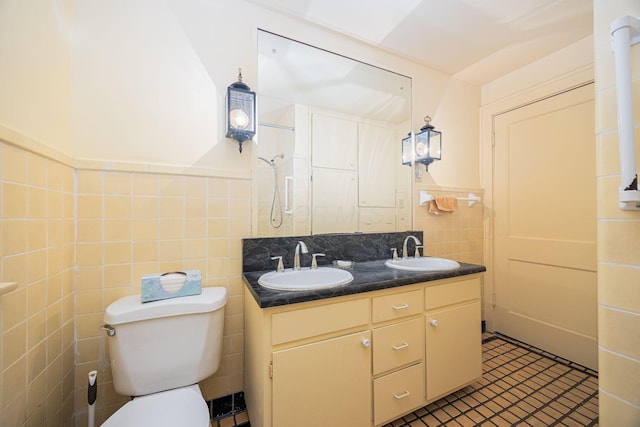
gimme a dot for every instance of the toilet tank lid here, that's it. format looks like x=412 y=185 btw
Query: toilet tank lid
x=131 y=309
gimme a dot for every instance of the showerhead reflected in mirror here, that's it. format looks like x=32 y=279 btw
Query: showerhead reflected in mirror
x=332 y=127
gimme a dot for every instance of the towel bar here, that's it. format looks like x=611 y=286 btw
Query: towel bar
x=426 y=198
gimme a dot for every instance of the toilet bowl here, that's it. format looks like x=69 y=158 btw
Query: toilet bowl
x=173 y=408
x=159 y=351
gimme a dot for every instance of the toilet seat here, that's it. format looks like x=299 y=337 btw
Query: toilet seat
x=183 y=406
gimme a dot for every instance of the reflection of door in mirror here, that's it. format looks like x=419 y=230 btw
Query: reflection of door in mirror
x=338 y=124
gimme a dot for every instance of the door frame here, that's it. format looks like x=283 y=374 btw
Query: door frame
x=575 y=79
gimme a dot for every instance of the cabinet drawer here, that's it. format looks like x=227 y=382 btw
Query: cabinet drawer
x=397 y=345
x=397 y=306
x=451 y=293
x=310 y=322
x=398 y=393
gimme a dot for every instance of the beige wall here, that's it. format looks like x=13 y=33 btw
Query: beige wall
x=618 y=237
x=36 y=320
x=35 y=74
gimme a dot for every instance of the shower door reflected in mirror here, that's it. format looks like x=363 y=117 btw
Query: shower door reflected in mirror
x=329 y=143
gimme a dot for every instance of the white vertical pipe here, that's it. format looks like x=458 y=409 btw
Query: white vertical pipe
x=622 y=31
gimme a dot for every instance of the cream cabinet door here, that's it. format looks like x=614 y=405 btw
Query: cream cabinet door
x=454 y=349
x=335 y=201
x=327 y=383
x=334 y=142
x=378 y=157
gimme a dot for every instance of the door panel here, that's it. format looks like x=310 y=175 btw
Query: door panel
x=545 y=225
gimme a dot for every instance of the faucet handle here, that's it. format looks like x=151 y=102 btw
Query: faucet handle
x=314 y=262
x=394 y=253
x=280 y=267
x=417 y=253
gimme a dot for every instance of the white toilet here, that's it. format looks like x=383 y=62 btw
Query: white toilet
x=159 y=351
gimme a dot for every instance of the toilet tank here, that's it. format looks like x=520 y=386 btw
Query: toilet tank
x=165 y=344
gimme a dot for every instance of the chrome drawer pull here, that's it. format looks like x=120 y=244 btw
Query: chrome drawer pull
x=400 y=307
x=400 y=347
x=403 y=395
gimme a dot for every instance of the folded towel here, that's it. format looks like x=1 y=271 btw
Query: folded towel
x=447 y=204
x=442 y=205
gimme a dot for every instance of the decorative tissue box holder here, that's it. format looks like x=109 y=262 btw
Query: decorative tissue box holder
x=160 y=286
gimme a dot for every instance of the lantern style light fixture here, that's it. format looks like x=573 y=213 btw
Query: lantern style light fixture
x=428 y=146
x=241 y=111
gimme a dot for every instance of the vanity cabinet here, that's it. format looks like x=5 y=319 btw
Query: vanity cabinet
x=364 y=359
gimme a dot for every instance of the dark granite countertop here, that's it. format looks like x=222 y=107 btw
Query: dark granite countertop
x=367 y=276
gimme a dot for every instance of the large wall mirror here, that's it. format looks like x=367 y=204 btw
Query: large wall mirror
x=329 y=143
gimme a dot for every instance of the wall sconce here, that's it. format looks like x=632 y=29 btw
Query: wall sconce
x=428 y=146
x=241 y=111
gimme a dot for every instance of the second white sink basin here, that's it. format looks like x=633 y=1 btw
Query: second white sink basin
x=423 y=264
x=305 y=279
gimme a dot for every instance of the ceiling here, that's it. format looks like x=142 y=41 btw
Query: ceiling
x=474 y=40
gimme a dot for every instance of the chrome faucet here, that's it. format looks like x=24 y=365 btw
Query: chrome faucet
x=296 y=257
x=404 y=245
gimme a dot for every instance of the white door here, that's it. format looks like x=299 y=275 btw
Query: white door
x=545 y=225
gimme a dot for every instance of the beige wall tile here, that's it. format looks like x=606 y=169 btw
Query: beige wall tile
x=117 y=275
x=171 y=228
x=622 y=376
x=145 y=185
x=617 y=413
x=36 y=328
x=145 y=229
x=89 y=230
x=89 y=302
x=14 y=236
x=37 y=232
x=13 y=164
x=619 y=286
x=172 y=185
x=89 y=206
x=88 y=325
x=54 y=204
x=89 y=278
x=170 y=250
x=37 y=170
x=117 y=183
x=90 y=182
x=145 y=251
x=14 y=343
x=17 y=195
x=171 y=207
x=618 y=331
x=37 y=265
x=89 y=254
x=14 y=268
x=13 y=308
x=117 y=252
x=117 y=207
x=619 y=241
x=196 y=186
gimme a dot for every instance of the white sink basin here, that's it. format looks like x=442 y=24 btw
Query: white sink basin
x=305 y=279
x=423 y=264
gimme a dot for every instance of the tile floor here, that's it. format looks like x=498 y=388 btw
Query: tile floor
x=521 y=386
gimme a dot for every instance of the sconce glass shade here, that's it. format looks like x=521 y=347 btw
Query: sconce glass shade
x=428 y=146
x=241 y=112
